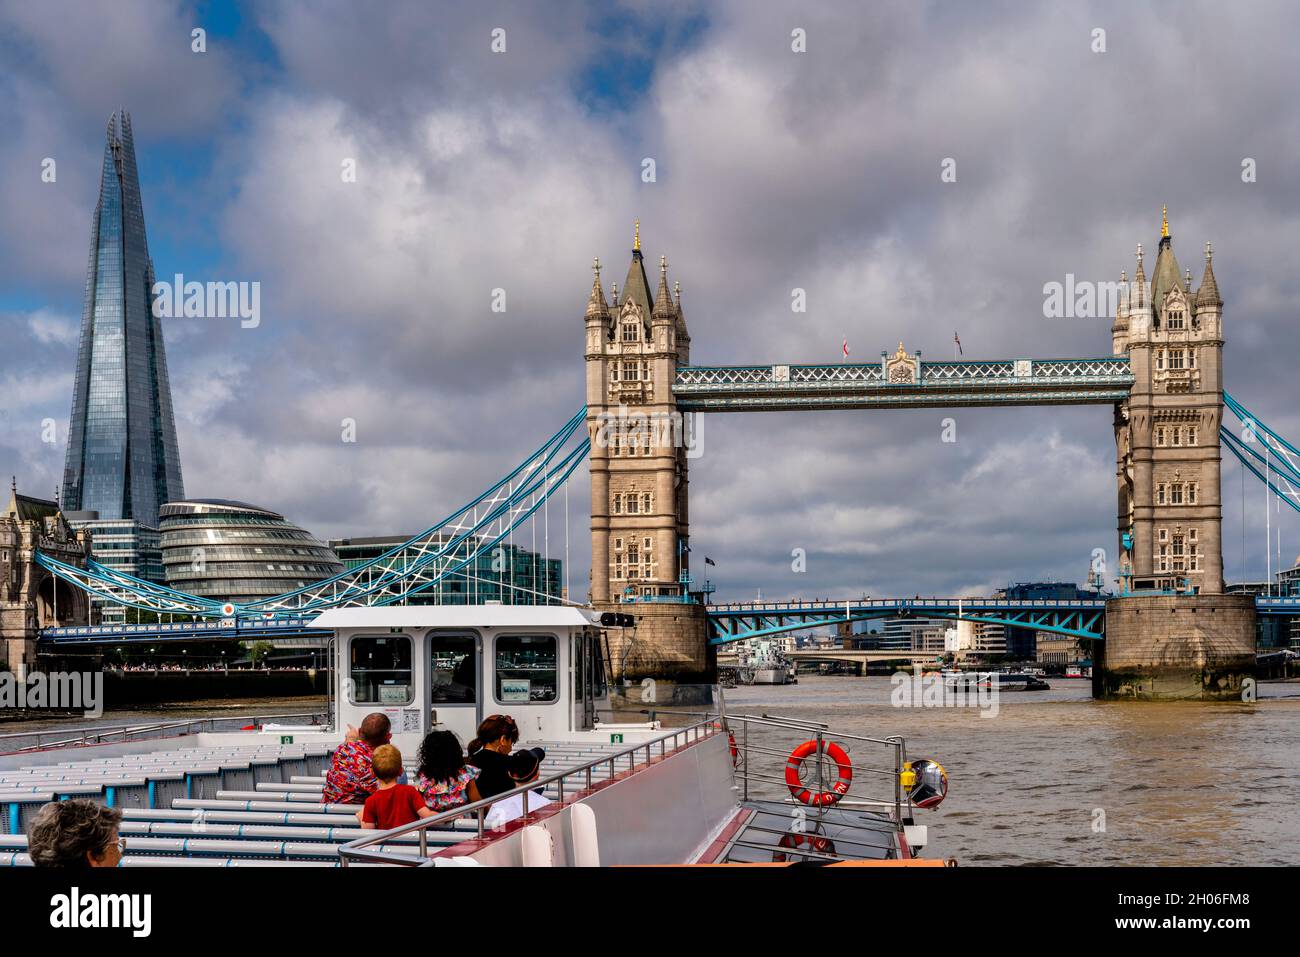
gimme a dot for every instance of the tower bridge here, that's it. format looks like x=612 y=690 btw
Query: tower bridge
x=1175 y=633
x=1171 y=632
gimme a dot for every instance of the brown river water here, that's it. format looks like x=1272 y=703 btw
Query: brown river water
x=1179 y=783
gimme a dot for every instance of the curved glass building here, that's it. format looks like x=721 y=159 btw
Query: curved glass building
x=238 y=552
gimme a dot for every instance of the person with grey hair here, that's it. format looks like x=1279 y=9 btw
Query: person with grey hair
x=75 y=834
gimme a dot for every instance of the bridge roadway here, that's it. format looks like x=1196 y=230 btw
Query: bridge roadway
x=856 y=655
x=728 y=622
x=261 y=628
x=1080 y=618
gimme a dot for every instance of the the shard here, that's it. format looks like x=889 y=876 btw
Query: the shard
x=122 y=456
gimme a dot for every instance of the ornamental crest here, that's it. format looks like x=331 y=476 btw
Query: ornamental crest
x=900 y=368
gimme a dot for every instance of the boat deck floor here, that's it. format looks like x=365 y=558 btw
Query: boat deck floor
x=780 y=831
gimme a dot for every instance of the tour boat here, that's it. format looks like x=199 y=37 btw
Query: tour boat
x=1003 y=680
x=636 y=773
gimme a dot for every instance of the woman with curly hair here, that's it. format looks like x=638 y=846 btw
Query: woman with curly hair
x=75 y=834
x=444 y=779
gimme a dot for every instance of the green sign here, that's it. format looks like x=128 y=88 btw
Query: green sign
x=615 y=739
x=286 y=739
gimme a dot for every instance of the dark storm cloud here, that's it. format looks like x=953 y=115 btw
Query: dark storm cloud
x=775 y=170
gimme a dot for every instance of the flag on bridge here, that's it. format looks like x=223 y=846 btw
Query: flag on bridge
x=845 y=347
x=958 y=341
x=709 y=561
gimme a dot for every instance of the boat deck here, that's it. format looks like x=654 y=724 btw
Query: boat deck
x=779 y=832
x=229 y=807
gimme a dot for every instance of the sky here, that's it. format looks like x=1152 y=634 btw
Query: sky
x=820 y=170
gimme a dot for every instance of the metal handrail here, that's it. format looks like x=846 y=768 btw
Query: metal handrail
x=360 y=848
x=96 y=735
x=821 y=732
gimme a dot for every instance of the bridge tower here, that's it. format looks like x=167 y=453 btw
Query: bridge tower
x=640 y=557
x=30 y=597
x=1170 y=511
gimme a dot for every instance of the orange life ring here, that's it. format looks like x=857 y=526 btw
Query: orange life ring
x=735 y=752
x=819 y=798
x=816 y=843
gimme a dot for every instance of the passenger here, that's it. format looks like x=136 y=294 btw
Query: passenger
x=444 y=779
x=524 y=767
x=75 y=834
x=351 y=778
x=488 y=752
x=392 y=804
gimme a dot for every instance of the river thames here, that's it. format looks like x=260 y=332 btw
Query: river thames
x=1178 y=783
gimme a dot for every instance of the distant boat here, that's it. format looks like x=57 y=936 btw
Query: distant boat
x=1005 y=680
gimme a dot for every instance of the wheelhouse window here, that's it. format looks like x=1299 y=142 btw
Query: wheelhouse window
x=381 y=669
x=526 y=669
x=453 y=664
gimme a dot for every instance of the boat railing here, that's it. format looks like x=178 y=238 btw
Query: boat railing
x=893 y=797
x=49 y=739
x=641 y=754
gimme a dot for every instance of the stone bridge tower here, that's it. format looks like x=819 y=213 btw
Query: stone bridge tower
x=1167 y=433
x=639 y=524
x=30 y=597
x=1172 y=632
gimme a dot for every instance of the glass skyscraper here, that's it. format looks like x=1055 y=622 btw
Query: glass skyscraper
x=122 y=456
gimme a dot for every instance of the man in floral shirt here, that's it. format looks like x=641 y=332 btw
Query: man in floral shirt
x=351 y=777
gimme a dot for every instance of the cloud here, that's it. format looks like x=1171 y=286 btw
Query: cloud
x=49 y=327
x=776 y=170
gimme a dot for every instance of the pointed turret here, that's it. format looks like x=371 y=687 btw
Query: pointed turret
x=1119 y=328
x=683 y=337
x=663 y=301
x=1140 y=278
x=1208 y=294
x=1166 y=276
x=636 y=288
x=1139 y=304
x=600 y=328
x=597 y=307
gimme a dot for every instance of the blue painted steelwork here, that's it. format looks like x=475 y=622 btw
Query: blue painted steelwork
x=1080 y=618
x=232 y=628
x=1280 y=470
x=933 y=385
x=441 y=551
x=1285 y=607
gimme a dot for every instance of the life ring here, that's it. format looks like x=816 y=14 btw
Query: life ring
x=735 y=752
x=792 y=842
x=819 y=798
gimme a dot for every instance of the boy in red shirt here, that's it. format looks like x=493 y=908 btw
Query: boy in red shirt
x=393 y=804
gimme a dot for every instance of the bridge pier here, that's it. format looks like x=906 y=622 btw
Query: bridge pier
x=1176 y=647
x=670 y=642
